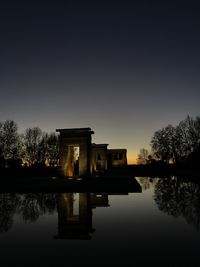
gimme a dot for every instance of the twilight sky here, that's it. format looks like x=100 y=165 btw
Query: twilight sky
x=124 y=68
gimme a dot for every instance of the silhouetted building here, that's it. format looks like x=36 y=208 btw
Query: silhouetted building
x=117 y=157
x=75 y=145
x=80 y=158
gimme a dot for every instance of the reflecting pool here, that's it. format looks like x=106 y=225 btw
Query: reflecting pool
x=159 y=226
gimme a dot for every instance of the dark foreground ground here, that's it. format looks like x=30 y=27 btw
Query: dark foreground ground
x=49 y=184
x=116 y=180
x=49 y=180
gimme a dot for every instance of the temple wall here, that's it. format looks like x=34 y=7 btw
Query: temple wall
x=68 y=139
x=117 y=157
x=99 y=157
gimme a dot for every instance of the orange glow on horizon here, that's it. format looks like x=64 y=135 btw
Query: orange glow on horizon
x=131 y=160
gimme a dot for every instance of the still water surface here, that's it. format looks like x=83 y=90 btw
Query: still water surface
x=158 y=226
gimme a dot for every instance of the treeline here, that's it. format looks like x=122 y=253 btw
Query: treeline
x=31 y=148
x=175 y=144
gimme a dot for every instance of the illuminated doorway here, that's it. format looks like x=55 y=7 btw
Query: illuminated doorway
x=73 y=152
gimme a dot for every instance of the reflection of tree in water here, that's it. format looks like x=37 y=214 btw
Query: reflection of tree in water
x=8 y=205
x=33 y=205
x=30 y=206
x=146 y=182
x=179 y=198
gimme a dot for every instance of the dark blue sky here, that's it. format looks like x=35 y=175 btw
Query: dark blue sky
x=123 y=68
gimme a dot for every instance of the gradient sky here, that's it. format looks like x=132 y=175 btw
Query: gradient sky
x=123 y=68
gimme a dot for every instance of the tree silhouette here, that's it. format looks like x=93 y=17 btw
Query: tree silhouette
x=143 y=156
x=48 y=149
x=32 y=139
x=40 y=147
x=33 y=147
x=178 y=143
x=10 y=145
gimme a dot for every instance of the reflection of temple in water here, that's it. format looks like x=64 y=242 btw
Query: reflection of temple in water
x=99 y=200
x=75 y=214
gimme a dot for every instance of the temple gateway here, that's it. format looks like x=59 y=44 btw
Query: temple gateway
x=79 y=157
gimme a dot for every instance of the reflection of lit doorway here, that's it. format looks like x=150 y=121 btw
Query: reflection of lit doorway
x=76 y=204
x=74 y=216
x=73 y=152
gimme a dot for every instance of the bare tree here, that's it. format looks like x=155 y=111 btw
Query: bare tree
x=160 y=145
x=32 y=139
x=10 y=145
x=52 y=156
x=1 y=145
x=143 y=156
x=189 y=130
x=48 y=149
x=164 y=143
x=177 y=143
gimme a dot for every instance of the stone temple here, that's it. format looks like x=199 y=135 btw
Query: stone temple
x=79 y=157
